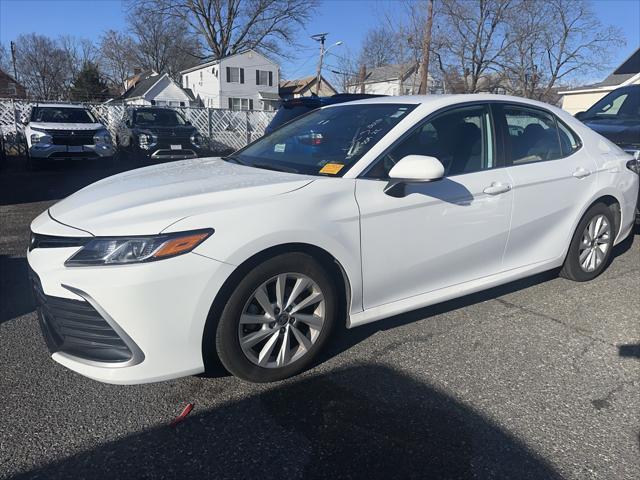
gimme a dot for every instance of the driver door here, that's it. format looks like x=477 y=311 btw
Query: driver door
x=441 y=233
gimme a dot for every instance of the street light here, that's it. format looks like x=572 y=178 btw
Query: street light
x=320 y=37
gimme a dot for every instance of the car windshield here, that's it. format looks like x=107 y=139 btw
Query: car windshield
x=327 y=141
x=623 y=104
x=61 y=115
x=158 y=118
x=286 y=113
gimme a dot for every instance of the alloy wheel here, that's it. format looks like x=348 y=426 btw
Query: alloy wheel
x=595 y=243
x=281 y=320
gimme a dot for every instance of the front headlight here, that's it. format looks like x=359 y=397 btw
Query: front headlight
x=40 y=136
x=147 y=140
x=102 y=137
x=196 y=139
x=126 y=250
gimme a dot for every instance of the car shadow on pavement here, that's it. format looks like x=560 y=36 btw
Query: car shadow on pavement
x=52 y=182
x=366 y=421
x=15 y=289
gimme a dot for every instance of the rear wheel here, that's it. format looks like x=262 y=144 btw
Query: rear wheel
x=591 y=246
x=277 y=319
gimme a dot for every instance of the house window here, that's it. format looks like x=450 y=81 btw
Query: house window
x=235 y=75
x=240 y=104
x=269 y=105
x=264 y=77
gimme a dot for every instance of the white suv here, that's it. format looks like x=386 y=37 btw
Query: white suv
x=64 y=132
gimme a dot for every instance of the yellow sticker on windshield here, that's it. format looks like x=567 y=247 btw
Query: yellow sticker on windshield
x=331 y=168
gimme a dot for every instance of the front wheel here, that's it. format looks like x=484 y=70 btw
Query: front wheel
x=277 y=319
x=591 y=246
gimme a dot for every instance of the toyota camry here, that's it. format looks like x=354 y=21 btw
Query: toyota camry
x=346 y=215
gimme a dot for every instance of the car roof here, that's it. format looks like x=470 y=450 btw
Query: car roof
x=445 y=100
x=60 y=105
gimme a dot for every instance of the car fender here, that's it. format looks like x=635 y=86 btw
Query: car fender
x=322 y=214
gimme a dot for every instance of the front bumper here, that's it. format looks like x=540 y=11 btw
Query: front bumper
x=70 y=152
x=154 y=313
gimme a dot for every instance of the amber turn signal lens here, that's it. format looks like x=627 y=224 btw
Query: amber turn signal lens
x=176 y=246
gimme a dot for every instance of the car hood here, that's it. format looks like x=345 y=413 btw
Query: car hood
x=148 y=200
x=65 y=126
x=620 y=132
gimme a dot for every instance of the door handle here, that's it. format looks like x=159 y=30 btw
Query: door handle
x=581 y=173
x=497 y=188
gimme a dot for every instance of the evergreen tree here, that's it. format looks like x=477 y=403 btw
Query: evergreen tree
x=88 y=85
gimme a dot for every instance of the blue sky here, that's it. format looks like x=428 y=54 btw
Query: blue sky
x=345 y=20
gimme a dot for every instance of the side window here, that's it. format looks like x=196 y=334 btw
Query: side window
x=532 y=136
x=462 y=139
x=569 y=141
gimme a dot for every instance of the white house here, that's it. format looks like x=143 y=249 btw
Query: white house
x=244 y=81
x=386 y=80
x=152 y=88
x=581 y=98
x=305 y=87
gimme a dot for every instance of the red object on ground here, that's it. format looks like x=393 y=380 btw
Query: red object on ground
x=180 y=418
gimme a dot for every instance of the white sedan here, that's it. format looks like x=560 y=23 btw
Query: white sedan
x=351 y=213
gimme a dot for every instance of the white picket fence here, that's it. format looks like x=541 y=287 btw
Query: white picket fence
x=223 y=129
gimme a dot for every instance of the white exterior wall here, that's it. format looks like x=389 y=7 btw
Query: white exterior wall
x=581 y=100
x=204 y=83
x=166 y=92
x=389 y=87
x=210 y=82
x=250 y=61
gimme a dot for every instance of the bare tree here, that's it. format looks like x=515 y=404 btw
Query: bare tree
x=163 y=42
x=473 y=36
x=117 y=58
x=78 y=54
x=5 y=60
x=553 y=41
x=42 y=66
x=344 y=69
x=379 y=47
x=231 y=26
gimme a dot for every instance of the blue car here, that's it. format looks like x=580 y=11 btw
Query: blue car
x=290 y=109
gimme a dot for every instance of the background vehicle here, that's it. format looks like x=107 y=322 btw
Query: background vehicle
x=148 y=134
x=66 y=132
x=290 y=109
x=410 y=201
x=617 y=117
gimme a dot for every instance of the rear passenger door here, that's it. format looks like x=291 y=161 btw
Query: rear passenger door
x=552 y=178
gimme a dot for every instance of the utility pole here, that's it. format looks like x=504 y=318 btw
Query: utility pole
x=319 y=37
x=426 y=47
x=13 y=60
x=363 y=76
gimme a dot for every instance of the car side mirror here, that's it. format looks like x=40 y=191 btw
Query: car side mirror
x=579 y=115
x=417 y=168
x=188 y=123
x=127 y=123
x=412 y=169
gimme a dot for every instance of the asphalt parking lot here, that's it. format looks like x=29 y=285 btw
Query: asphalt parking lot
x=537 y=379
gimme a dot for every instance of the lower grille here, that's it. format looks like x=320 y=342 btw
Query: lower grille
x=74 y=155
x=67 y=137
x=76 y=328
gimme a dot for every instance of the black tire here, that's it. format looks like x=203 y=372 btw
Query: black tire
x=571 y=268
x=227 y=339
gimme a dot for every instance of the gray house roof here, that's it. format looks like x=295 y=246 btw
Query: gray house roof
x=142 y=87
x=626 y=70
x=390 y=72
